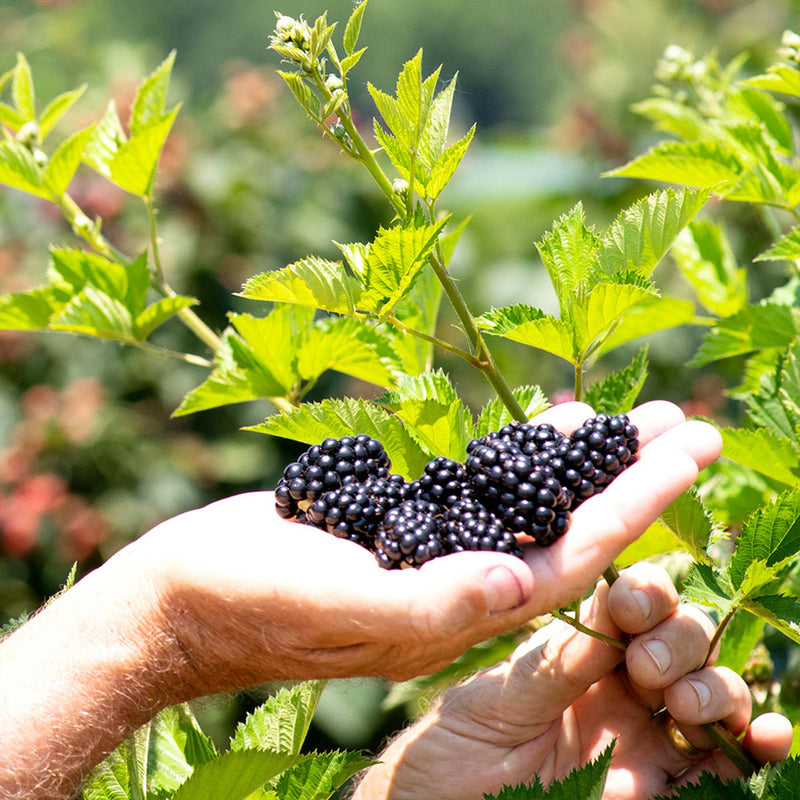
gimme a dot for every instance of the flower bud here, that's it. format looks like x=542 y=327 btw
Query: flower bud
x=334 y=84
x=28 y=134
x=400 y=186
x=284 y=27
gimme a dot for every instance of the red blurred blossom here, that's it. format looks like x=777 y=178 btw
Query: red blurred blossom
x=16 y=462
x=14 y=346
x=82 y=401
x=249 y=92
x=84 y=528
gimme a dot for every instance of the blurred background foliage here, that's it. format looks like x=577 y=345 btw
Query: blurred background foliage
x=89 y=457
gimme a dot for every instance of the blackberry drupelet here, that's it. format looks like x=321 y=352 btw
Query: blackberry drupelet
x=410 y=535
x=326 y=467
x=444 y=482
x=468 y=525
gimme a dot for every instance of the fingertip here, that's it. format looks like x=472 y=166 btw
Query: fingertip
x=769 y=737
x=643 y=596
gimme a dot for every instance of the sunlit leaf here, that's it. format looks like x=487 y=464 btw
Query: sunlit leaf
x=706 y=586
x=764 y=451
x=617 y=392
x=56 y=109
x=159 y=312
x=494 y=414
x=528 y=325
x=18 y=169
x=353 y=28
x=22 y=89
x=150 y=101
x=690 y=521
x=320 y=775
x=65 y=161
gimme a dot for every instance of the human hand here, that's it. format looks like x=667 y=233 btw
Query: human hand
x=251 y=597
x=563 y=696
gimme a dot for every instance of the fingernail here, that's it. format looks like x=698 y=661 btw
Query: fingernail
x=701 y=690
x=644 y=602
x=660 y=653
x=503 y=591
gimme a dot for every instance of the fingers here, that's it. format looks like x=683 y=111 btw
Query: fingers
x=641 y=597
x=769 y=738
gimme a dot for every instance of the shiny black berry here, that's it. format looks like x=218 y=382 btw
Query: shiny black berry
x=444 y=482
x=468 y=525
x=410 y=535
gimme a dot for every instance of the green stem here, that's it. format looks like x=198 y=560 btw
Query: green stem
x=609 y=640
x=718 y=633
x=611 y=573
x=434 y=340
x=163 y=352
x=579 y=381
x=732 y=748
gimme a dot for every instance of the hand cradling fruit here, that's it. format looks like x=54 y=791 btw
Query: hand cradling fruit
x=523 y=479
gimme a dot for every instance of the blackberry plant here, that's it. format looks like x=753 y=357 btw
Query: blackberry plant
x=463 y=478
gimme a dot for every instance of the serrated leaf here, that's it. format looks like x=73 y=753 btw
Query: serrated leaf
x=786 y=248
x=687 y=517
x=150 y=101
x=740 y=636
x=782 y=612
x=107 y=138
x=159 y=312
x=349 y=346
x=93 y=313
x=65 y=161
x=706 y=586
x=133 y=166
x=22 y=89
x=110 y=779
x=657 y=539
x=762 y=450
x=641 y=235
x=528 y=325
x=494 y=414
x=56 y=109
x=755 y=327
x=313 y=422
x=436 y=127
x=706 y=259
x=281 y=723
x=705 y=164
x=780 y=78
x=444 y=168
x=768 y=112
x=348 y=62
x=435 y=416
x=314 y=282
x=320 y=775
x=711 y=787
x=395 y=258
x=303 y=93
x=235 y=775
x=29 y=311
x=569 y=251
x=771 y=535
x=77 y=268
x=617 y=392
x=19 y=169
x=775 y=404
x=353 y=28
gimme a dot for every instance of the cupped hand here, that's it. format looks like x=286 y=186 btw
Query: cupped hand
x=250 y=598
x=563 y=696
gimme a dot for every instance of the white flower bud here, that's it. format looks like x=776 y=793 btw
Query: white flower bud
x=399 y=186
x=334 y=84
x=28 y=134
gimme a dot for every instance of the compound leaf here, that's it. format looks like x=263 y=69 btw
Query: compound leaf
x=94 y=313
x=787 y=248
x=782 y=612
x=107 y=138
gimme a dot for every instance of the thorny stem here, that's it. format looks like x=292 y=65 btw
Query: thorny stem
x=609 y=640
x=719 y=631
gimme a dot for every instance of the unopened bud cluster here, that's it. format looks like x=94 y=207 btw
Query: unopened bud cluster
x=790 y=47
x=678 y=65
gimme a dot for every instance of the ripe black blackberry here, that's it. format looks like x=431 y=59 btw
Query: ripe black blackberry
x=326 y=467
x=468 y=525
x=525 y=495
x=354 y=511
x=444 y=482
x=525 y=436
x=410 y=534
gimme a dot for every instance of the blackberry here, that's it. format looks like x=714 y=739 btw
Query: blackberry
x=526 y=437
x=410 y=535
x=444 y=482
x=525 y=495
x=326 y=467
x=468 y=525
x=354 y=511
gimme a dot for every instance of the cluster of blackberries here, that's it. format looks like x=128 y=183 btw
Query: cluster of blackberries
x=524 y=478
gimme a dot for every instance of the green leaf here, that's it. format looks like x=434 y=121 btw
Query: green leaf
x=56 y=109
x=771 y=535
x=786 y=248
x=494 y=414
x=657 y=539
x=29 y=311
x=641 y=234
x=320 y=775
x=740 y=636
x=235 y=775
x=395 y=258
x=11 y=117
x=691 y=522
x=762 y=450
x=303 y=93
x=110 y=779
x=349 y=346
x=19 y=170
x=150 y=101
x=706 y=586
x=444 y=168
x=107 y=138
x=755 y=327
x=313 y=422
x=711 y=787
x=435 y=416
x=133 y=166
x=706 y=259
x=65 y=162
x=775 y=404
x=436 y=127
x=528 y=325
x=419 y=310
x=782 y=612
x=617 y=392
x=282 y=722
x=569 y=252
x=80 y=267
x=313 y=282
x=353 y=28
x=780 y=78
x=94 y=313
x=22 y=89
x=705 y=164
x=159 y=312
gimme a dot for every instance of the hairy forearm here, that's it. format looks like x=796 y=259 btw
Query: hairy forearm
x=79 y=678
